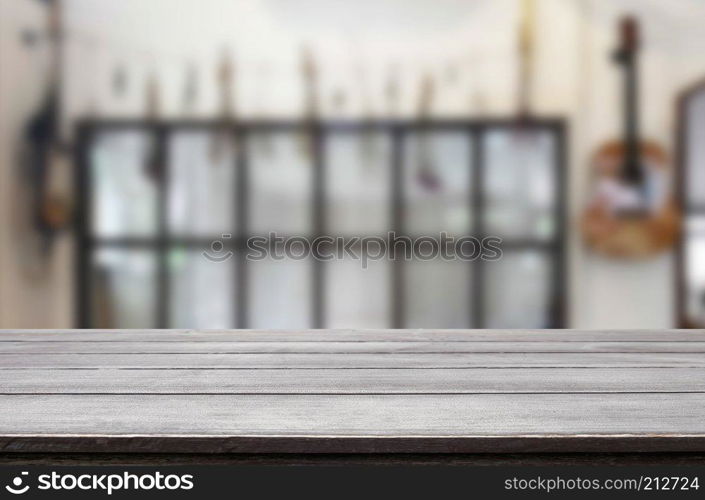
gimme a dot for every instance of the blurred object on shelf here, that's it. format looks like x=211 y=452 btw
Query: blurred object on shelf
x=226 y=86
x=632 y=212
x=152 y=98
x=264 y=140
x=309 y=77
x=154 y=167
x=426 y=174
x=392 y=91
x=223 y=138
x=190 y=93
x=369 y=147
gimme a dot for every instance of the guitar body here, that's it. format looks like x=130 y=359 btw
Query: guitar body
x=632 y=212
x=622 y=223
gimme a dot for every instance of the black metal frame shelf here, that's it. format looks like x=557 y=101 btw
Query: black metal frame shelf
x=396 y=130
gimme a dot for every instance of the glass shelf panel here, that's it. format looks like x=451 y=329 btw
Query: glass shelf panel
x=124 y=198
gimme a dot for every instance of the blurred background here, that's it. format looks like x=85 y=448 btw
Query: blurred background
x=137 y=135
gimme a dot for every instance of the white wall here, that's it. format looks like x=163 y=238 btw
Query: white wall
x=574 y=78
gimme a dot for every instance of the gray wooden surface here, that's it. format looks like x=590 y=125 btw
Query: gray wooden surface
x=352 y=391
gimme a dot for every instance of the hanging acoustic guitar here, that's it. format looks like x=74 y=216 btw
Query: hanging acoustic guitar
x=42 y=205
x=632 y=212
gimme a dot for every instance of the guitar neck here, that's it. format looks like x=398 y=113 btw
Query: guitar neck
x=627 y=57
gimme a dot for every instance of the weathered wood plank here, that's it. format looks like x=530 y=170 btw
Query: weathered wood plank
x=441 y=347
x=353 y=360
x=356 y=415
x=362 y=381
x=355 y=335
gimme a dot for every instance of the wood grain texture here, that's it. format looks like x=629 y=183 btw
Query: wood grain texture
x=354 y=335
x=348 y=391
x=454 y=415
x=308 y=347
x=357 y=381
x=391 y=360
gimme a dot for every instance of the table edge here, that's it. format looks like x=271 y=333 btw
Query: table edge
x=597 y=443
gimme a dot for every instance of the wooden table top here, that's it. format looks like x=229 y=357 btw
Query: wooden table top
x=324 y=391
